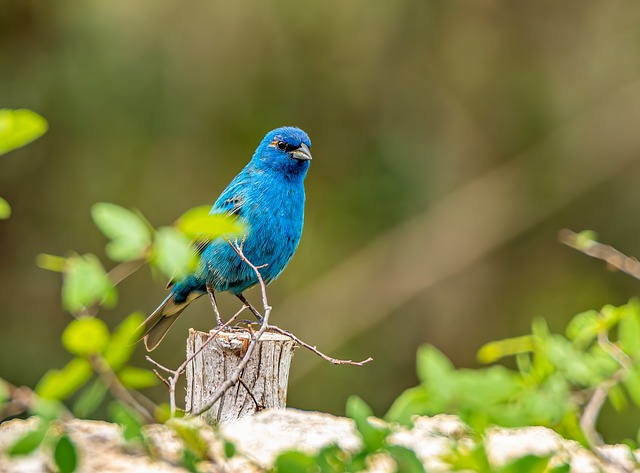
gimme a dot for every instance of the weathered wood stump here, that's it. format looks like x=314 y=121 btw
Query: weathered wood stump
x=263 y=381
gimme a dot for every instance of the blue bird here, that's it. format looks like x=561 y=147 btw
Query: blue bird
x=268 y=198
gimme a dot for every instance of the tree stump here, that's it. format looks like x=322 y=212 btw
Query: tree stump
x=263 y=381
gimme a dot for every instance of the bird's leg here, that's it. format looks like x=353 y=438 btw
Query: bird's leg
x=251 y=308
x=214 y=304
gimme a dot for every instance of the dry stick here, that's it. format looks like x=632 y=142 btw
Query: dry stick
x=335 y=361
x=172 y=380
x=607 y=253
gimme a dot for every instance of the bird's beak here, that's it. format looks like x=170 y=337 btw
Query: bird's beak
x=302 y=153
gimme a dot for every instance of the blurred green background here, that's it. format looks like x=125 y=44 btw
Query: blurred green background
x=451 y=141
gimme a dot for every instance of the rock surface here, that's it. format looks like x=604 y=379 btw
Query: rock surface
x=260 y=438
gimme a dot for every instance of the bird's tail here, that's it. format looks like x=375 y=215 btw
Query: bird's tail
x=156 y=326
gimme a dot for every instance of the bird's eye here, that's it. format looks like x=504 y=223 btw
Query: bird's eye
x=282 y=145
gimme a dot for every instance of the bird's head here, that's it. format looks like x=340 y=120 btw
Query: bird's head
x=286 y=150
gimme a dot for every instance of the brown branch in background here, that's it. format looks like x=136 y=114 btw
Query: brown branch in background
x=609 y=254
x=22 y=399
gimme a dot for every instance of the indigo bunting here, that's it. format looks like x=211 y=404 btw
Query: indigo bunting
x=268 y=198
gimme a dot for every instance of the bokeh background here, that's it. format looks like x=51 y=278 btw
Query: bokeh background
x=451 y=142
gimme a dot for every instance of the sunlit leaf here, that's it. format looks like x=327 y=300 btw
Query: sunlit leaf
x=129 y=234
x=29 y=441
x=137 y=378
x=130 y=422
x=65 y=455
x=493 y=351
x=199 y=223
x=85 y=336
x=60 y=384
x=372 y=436
x=629 y=329
x=583 y=328
x=191 y=436
x=406 y=459
x=19 y=127
x=413 y=401
x=173 y=253
x=631 y=382
x=86 y=283
x=90 y=399
x=585 y=239
x=528 y=464
x=51 y=262
x=617 y=398
x=294 y=462
x=229 y=449
x=5 y=209
x=122 y=342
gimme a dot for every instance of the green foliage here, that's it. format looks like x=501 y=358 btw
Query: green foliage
x=129 y=234
x=5 y=209
x=65 y=455
x=173 y=253
x=86 y=284
x=553 y=375
x=198 y=223
x=29 y=441
x=130 y=422
x=19 y=127
x=85 y=336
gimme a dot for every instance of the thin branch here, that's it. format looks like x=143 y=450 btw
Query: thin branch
x=117 y=389
x=609 y=254
x=335 y=361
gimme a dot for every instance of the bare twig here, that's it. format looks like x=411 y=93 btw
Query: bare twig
x=609 y=254
x=335 y=361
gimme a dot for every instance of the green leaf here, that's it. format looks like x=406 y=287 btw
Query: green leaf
x=86 y=284
x=137 y=378
x=528 y=464
x=469 y=458
x=406 y=459
x=631 y=382
x=584 y=328
x=331 y=459
x=229 y=449
x=19 y=127
x=90 y=399
x=372 y=436
x=617 y=398
x=129 y=234
x=173 y=253
x=51 y=262
x=432 y=365
x=60 y=384
x=564 y=468
x=85 y=336
x=5 y=209
x=130 y=421
x=65 y=455
x=191 y=436
x=493 y=351
x=414 y=401
x=629 y=329
x=198 y=222
x=29 y=441
x=585 y=239
x=122 y=343
x=294 y=462
x=190 y=461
